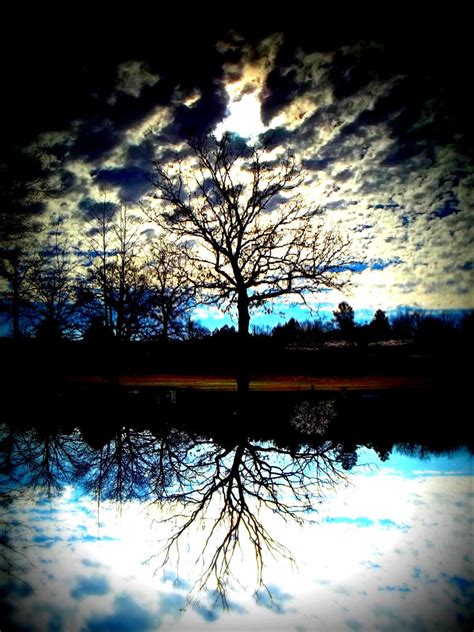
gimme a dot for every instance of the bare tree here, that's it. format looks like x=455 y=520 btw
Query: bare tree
x=116 y=273
x=255 y=239
x=234 y=488
x=22 y=189
x=172 y=293
x=53 y=285
x=344 y=316
x=100 y=235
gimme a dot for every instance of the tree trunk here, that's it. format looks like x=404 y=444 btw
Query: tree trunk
x=243 y=376
x=244 y=317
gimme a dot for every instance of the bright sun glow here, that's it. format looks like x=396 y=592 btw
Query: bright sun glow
x=243 y=118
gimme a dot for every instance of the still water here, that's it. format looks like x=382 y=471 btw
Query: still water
x=134 y=529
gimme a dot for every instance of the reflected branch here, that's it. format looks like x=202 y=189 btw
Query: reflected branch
x=235 y=488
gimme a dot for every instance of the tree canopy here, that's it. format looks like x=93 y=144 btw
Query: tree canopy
x=254 y=238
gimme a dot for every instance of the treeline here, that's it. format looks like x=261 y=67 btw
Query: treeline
x=406 y=325
x=119 y=281
x=116 y=282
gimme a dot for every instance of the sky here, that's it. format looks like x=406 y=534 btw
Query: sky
x=390 y=548
x=376 y=112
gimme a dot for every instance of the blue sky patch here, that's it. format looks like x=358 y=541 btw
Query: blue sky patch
x=458 y=463
x=360 y=521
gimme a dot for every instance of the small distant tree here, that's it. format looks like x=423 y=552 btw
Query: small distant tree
x=380 y=327
x=225 y=332
x=344 y=317
x=97 y=333
x=467 y=327
x=405 y=323
x=289 y=332
x=195 y=330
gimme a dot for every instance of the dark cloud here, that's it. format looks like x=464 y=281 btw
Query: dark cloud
x=344 y=175
x=46 y=541
x=381 y=264
x=399 y=154
x=281 y=87
x=90 y=563
x=172 y=603
x=141 y=154
x=340 y=204
x=92 y=208
x=445 y=211
x=175 y=580
x=353 y=70
x=403 y=588
x=200 y=118
x=316 y=164
x=95 y=139
x=68 y=180
x=132 y=182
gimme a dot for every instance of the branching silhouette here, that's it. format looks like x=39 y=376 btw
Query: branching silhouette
x=43 y=458
x=255 y=239
x=123 y=467
x=230 y=488
x=172 y=294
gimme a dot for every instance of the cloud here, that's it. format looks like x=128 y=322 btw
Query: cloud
x=273 y=598
x=380 y=128
x=364 y=522
x=133 y=77
x=199 y=118
x=127 y=616
x=132 y=182
x=90 y=563
x=94 y=585
x=96 y=139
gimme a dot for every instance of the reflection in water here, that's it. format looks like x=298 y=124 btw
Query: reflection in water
x=216 y=490
x=227 y=483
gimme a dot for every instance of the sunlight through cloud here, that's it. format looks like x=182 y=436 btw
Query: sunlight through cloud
x=243 y=118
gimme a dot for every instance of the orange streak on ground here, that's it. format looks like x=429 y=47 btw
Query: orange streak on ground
x=260 y=383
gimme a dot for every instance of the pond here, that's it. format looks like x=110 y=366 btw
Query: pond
x=151 y=526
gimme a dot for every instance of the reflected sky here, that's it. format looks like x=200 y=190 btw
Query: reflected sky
x=389 y=547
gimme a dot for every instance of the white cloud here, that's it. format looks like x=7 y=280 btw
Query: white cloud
x=132 y=77
x=385 y=551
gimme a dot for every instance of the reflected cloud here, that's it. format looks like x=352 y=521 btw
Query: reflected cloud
x=214 y=510
x=95 y=585
x=127 y=615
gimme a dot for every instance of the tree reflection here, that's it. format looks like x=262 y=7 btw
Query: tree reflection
x=122 y=467
x=225 y=480
x=42 y=457
x=233 y=487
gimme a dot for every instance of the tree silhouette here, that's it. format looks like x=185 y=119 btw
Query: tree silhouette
x=27 y=180
x=380 y=326
x=254 y=238
x=344 y=316
x=172 y=295
x=115 y=280
x=234 y=487
x=53 y=294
